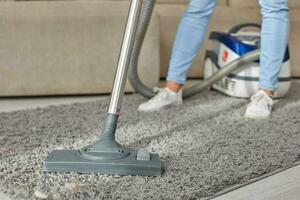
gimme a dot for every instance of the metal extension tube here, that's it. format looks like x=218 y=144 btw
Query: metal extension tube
x=107 y=145
x=125 y=55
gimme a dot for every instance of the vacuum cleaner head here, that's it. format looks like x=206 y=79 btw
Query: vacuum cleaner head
x=105 y=156
x=139 y=163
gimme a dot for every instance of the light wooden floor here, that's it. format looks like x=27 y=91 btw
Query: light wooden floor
x=282 y=186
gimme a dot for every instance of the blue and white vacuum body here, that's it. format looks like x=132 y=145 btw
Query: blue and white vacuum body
x=243 y=82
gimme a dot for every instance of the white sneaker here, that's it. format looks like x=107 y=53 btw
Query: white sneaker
x=164 y=98
x=260 y=106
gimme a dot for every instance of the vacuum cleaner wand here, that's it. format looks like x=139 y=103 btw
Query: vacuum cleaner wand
x=106 y=156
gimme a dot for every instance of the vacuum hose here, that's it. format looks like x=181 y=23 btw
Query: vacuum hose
x=133 y=77
x=224 y=71
x=141 y=88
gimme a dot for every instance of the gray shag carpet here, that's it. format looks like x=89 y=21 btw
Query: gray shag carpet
x=206 y=146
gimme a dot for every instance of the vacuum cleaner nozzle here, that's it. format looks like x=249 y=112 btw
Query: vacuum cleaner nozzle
x=134 y=163
x=106 y=156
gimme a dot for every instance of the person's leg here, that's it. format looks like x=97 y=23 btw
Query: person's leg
x=274 y=39
x=189 y=39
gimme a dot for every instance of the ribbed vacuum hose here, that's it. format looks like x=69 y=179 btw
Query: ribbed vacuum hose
x=141 y=88
x=224 y=71
x=133 y=77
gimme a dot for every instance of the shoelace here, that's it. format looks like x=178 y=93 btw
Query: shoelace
x=157 y=89
x=259 y=96
x=161 y=93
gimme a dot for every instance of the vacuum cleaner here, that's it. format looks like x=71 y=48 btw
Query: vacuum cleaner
x=106 y=156
x=242 y=82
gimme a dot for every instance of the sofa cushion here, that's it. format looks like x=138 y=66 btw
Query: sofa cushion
x=294 y=4
x=220 y=2
x=254 y=3
x=243 y=3
x=173 y=1
x=295 y=42
x=67 y=47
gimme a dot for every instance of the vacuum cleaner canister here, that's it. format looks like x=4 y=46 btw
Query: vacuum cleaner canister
x=242 y=82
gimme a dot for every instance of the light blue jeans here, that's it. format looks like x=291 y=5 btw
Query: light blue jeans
x=193 y=28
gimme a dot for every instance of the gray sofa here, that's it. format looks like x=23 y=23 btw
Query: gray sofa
x=67 y=47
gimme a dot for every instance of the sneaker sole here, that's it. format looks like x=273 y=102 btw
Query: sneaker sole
x=256 y=117
x=163 y=108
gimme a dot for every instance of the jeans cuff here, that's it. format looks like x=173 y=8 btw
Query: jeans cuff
x=176 y=80
x=264 y=87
